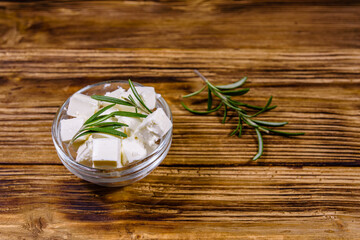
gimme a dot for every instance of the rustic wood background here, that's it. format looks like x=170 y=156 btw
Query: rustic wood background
x=304 y=53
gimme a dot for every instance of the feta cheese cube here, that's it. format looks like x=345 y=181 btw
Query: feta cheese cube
x=69 y=127
x=81 y=105
x=132 y=150
x=116 y=94
x=133 y=123
x=84 y=153
x=147 y=94
x=106 y=153
x=154 y=127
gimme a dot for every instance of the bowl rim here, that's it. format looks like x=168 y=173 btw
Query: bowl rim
x=59 y=145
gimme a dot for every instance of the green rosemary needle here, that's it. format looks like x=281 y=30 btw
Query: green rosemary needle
x=225 y=94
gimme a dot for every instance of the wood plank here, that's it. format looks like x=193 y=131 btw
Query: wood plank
x=317 y=92
x=175 y=202
x=180 y=24
x=304 y=53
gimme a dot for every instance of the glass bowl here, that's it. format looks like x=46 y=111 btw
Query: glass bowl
x=111 y=177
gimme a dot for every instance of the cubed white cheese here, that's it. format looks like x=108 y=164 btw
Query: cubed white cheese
x=116 y=94
x=147 y=94
x=106 y=153
x=69 y=127
x=133 y=123
x=84 y=153
x=81 y=105
x=132 y=150
x=154 y=127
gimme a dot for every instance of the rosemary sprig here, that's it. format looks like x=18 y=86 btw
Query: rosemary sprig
x=225 y=93
x=96 y=123
x=129 y=101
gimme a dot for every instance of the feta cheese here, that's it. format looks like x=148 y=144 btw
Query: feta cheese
x=69 y=127
x=81 y=105
x=116 y=94
x=106 y=153
x=132 y=150
x=147 y=94
x=154 y=127
x=133 y=123
x=84 y=153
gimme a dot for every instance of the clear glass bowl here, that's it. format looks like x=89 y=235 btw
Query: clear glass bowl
x=112 y=177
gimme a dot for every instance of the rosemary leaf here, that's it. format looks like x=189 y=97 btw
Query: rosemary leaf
x=209 y=100
x=128 y=114
x=110 y=127
x=98 y=113
x=260 y=145
x=108 y=131
x=111 y=100
x=284 y=133
x=80 y=134
x=237 y=127
x=138 y=97
x=232 y=85
x=250 y=106
x=236 y=92
x=195 y=93
x=264 y=108
x=240 y=128
x=225 y=114
x=99 y=120
x=199 y=112
x=108 y=124
x=270 y=124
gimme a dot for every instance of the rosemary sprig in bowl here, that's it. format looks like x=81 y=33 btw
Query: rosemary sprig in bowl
x=96 y=123
x=225 y=94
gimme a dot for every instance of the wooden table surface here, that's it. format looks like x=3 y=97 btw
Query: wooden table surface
x=304 y=53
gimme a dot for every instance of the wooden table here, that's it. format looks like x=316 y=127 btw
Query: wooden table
x=304 y=54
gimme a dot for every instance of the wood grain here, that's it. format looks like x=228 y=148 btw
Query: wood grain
x=307 y=102
x=224 y=202
x=180 y=24
x=205 y=182
x=303 y=53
